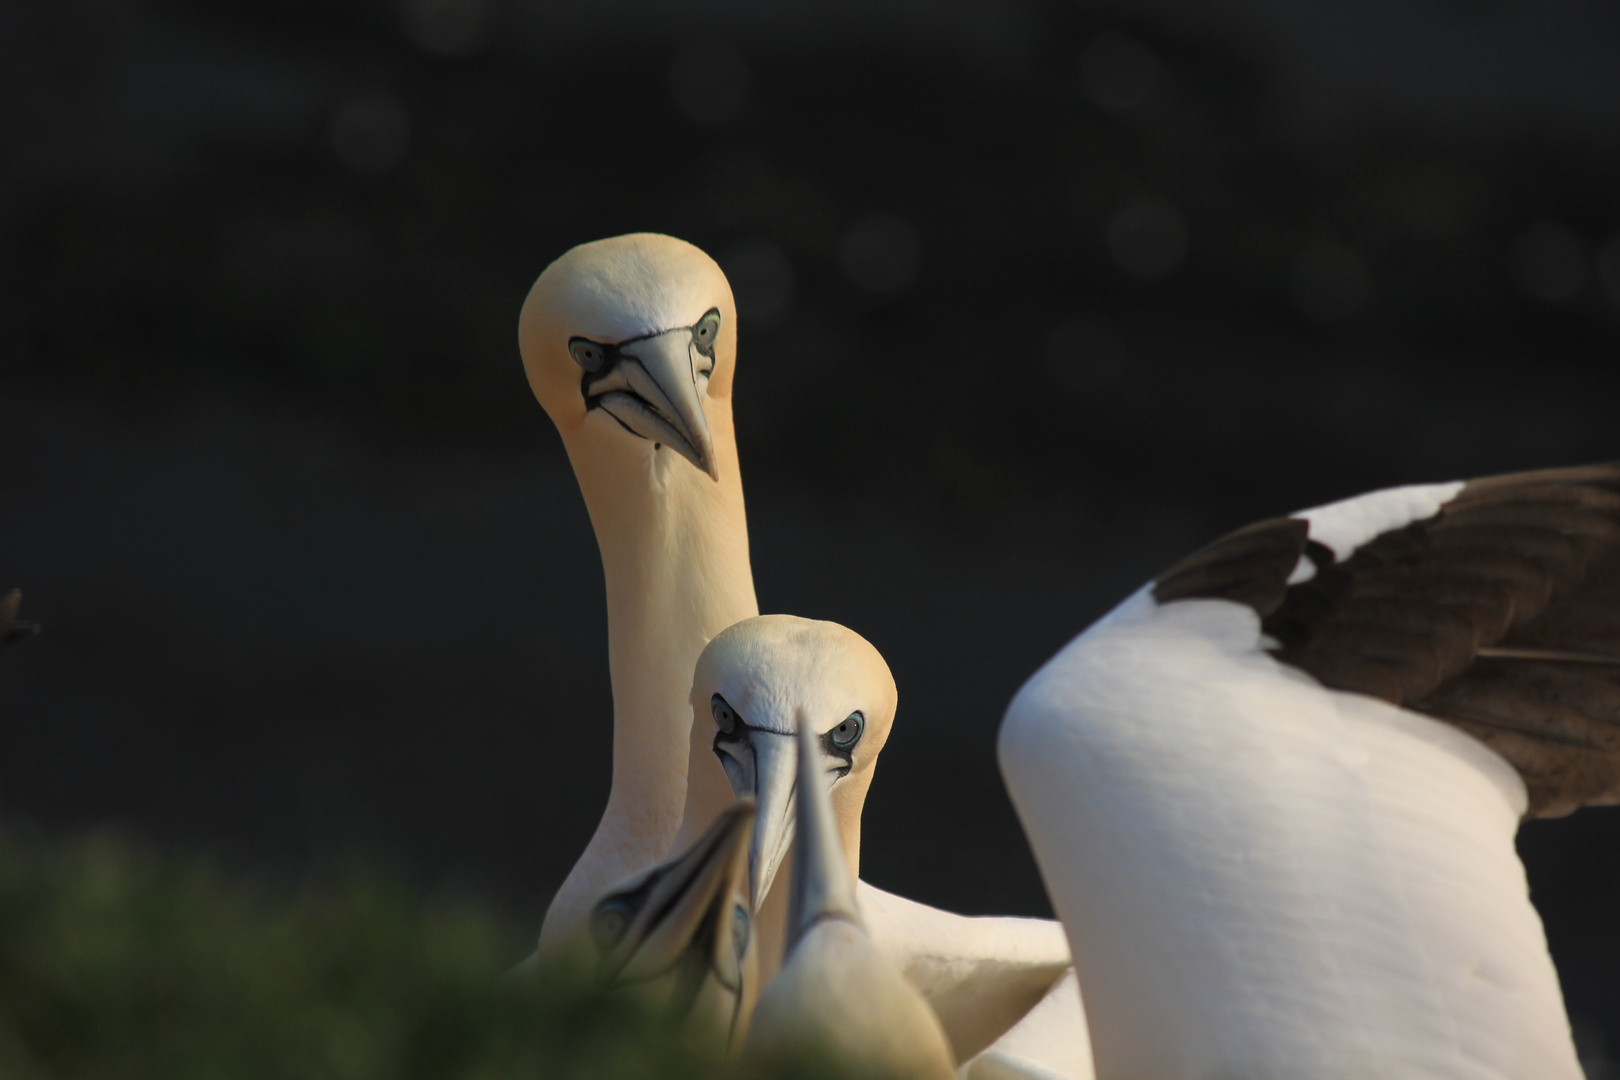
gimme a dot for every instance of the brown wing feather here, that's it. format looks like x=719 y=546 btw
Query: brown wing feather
x=1525 y=567
x=1250 y=566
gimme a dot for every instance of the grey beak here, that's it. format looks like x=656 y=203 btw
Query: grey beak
x=774 y=782
x=660 y=370
x=822 y=888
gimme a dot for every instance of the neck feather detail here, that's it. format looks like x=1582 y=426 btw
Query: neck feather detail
x=674 y=546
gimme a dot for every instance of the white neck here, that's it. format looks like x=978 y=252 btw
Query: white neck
x=674 y=547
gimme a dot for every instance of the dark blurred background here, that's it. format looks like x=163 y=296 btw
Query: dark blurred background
x=1034 y=298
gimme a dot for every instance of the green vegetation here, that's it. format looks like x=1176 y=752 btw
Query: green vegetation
x=118 y=962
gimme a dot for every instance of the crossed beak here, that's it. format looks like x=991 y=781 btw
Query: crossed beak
x=693 y=891
x=775 y=787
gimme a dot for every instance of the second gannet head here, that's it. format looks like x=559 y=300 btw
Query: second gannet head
x=756 y=682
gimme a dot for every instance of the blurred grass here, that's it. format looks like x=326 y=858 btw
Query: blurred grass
x=117 y=961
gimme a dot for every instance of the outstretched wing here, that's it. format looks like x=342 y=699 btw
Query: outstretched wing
x=1499 y=612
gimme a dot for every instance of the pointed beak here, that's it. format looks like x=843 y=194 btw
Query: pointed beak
x=704 y=884
x=664 y=403
x=775 y=778
x=822 y=888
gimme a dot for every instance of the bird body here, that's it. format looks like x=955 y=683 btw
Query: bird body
x=995 y=982
x=1263 y=803
x=1050 y=1042
x=763 y=680
x=1273 y=795
x=630 y=345
x=649 y=434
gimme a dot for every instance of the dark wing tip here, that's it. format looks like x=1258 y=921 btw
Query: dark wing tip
x=1250 y=566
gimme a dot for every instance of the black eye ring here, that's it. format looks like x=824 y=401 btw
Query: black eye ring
x=725 y=717
x=742 y=929
x=848 y=733
x=587 y=354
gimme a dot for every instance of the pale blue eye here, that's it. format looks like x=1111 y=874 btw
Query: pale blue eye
x=724 y=718
x=847 y=733
x=707 y=328
x=587 y=354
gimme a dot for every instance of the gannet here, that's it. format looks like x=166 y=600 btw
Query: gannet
x=630 y=346
x=838 y=998
x=13 y=629
x=1273 y=794
x=755 y=685
x=681 y=934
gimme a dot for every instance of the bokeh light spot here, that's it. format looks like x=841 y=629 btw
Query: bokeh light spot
x=447 y=27
x=370 y=132
x=1329 y=282
x=880 y=253
x=761 y=276
x=1147 y=237
x=710 y=83
x=1118 y=72
x=1549 y=262
x=1085 y=354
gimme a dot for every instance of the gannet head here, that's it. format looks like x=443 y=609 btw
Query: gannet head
x=681 y=934
x=626 y=341
x=838 y=998
x=756 y=682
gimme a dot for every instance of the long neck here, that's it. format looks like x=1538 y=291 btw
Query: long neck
x=674 y=547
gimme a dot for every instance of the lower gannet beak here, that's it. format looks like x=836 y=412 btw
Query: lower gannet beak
x=683 y=931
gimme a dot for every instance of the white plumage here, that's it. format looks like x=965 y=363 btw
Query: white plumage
x=612 y=342
x=1273 y=795
x=1267 y=878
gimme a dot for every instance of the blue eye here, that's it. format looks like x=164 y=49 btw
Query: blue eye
x=587 y=354
x=846 y=734
x=724 y=718
x=707 y=329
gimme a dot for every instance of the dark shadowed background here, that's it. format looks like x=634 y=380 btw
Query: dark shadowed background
x=1033 y=299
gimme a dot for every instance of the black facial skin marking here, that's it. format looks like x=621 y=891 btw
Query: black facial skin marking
x=613 y=916
x=842 y=753
x=598 y=358
x=735 y=730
